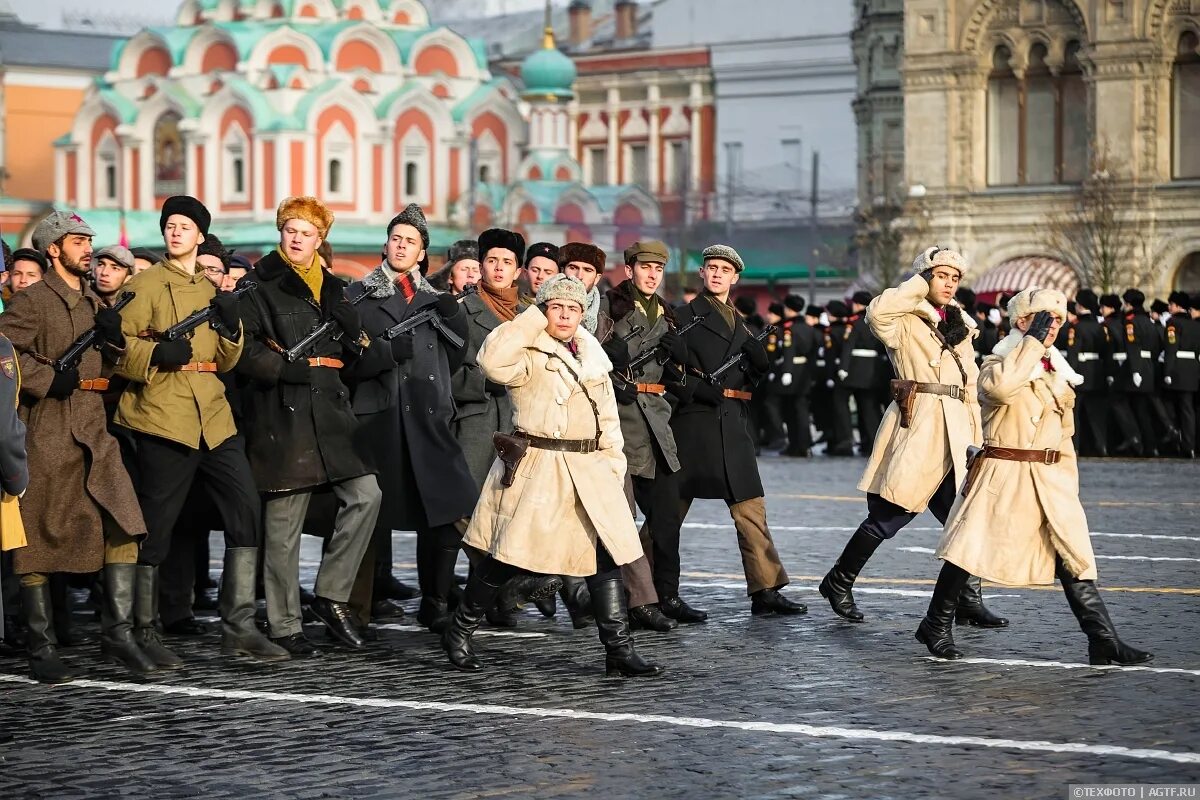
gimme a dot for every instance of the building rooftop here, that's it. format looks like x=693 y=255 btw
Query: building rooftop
x=24 y=45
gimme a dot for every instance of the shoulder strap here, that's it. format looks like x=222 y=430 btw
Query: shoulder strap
x=946 y=346
x=595 y=409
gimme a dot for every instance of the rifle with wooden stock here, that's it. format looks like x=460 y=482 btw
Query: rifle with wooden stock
x=73 y=355
x=185 y=327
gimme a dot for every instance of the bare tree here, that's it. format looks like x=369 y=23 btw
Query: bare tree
x=1097 y=235
x=890 y=233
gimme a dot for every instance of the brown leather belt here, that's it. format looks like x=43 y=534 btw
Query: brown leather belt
x=561 y=445
x=326 y=361
x=736 y=394
x=195 y=366
x=651 y=388
x=94 y=385
x=1046 y=456
x=955 y=392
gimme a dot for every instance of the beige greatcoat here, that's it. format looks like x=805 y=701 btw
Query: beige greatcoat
x=1019 y=515
x=548 y=521
x=908 y=464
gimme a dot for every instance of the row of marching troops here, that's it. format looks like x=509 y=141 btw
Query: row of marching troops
x=523 y=429
x=520 y=427
x=829 y=372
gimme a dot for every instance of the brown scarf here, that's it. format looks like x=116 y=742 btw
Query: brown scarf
x=502 y=302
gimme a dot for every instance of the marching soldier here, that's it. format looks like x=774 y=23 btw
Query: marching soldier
x=300 y=426
x=1136 y=345
x=183 y=429
x=1181 y=370
x=836 y=356
x=770 y=394
x=920 y=457
x=862 y=366
x=710 y=428
x=80 y=512
x=1087 y=353
x=798 y=356
x=405 y=413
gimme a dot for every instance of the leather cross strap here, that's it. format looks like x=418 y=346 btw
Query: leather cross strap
x=955 y=392
x=326 y=361
x=736 y=394
x=561 y=445
x=651 y=388
x=94 y=385
x=946 y=346
x=195 y=366
x=1046 y=456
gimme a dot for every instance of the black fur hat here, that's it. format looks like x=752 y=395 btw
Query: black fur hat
x=505 y=240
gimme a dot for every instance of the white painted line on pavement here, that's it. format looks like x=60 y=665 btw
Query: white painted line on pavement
x=756 y=726
x=931 y=551
x=391 y=626
x=857 y=589
x=1018 y=662
x=925 y=528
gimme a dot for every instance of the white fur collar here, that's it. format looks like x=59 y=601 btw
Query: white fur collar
x=1062 y=377
x=591 y=363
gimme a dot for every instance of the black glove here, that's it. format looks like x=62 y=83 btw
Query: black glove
x=682 y=392
x=108 y=326
x=225 y=304
x=447 y=306
x=674 y=346
x=347 y=318
x=928 y=275
x=64 y=384
x=708 y=394
x=756 y=355
x=495 y=389
x=626 y=393
x=298 y=372
x=402 y=348
x=171 y=354
x=1039 y=327
x=618 y=353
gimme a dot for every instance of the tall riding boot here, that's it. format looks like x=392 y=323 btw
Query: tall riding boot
x=1104 y=646
x=839 y=582
x=65 y=631
x=239 y=635
x=972 y=611
x=456 y=641
x=937 y=629
x=145 y=618
x=116 y=621
x=578 y=601
x=526 y=588
x=612 y=622
x=433 y=612
x=44 y=663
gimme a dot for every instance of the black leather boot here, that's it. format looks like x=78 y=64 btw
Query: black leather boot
x=937 y=629
x=456 y=640
x=1104 y=646
x=837 y=587
x=145 y=618
x=526 y=588
x=770 y=601
x=44 y=663
x=972 y=611
x=239 y=635
x=678 y=610
x=548 y=606
x=337 y=619
x=116 y=621
x=608 y=606
x=65 y=631
x=650 y=617
x=578 y=600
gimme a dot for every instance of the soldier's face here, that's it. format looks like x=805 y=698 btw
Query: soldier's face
x=181 y=236
x=585 y=272
x=647 y=276
x=943 y=285
x=300 y=239
x=74 y=253
x=24 y=274
x=110 y=276
x=463 y=274
x=538 y=270
x=499 y=268
x=719 y=275
x=562 y=319
x=141 y=265
x=214 y=270
x=404 y=248
x=1024 y=322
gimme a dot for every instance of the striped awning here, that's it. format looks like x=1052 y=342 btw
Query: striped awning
x=1020 y=273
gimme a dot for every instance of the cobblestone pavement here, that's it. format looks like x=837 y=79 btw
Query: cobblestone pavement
x=751 y=707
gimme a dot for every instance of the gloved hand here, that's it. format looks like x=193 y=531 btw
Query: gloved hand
x=1039 y=328
x=842 y=374
x=618 y=353
x=296 y=372
x=708 y=394
x=928 y=275
x=496 y=389
x=674 y=346
x=108 y=326
x=626 y=392
x=1167 y=380
x=447 y=306
x=63 y=384
x=786 y=380
x=1137 y=379
x=347 y=318
x=402 y=348
x=171 y=354
x=228 y=314
x=756 y=355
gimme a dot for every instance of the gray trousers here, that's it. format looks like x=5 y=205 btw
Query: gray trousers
x=358 y=507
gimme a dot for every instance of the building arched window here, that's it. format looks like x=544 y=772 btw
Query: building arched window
x=1038 y=124
x=108 y=172
x=412 y=176
x=1185 y=111
x=415 y=177
x=234 y=158
x=335 y=176
x=338 y=148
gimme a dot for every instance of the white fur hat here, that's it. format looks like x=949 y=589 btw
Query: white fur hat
x=1033 y=300
x=562 y=287
x=935 y=256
